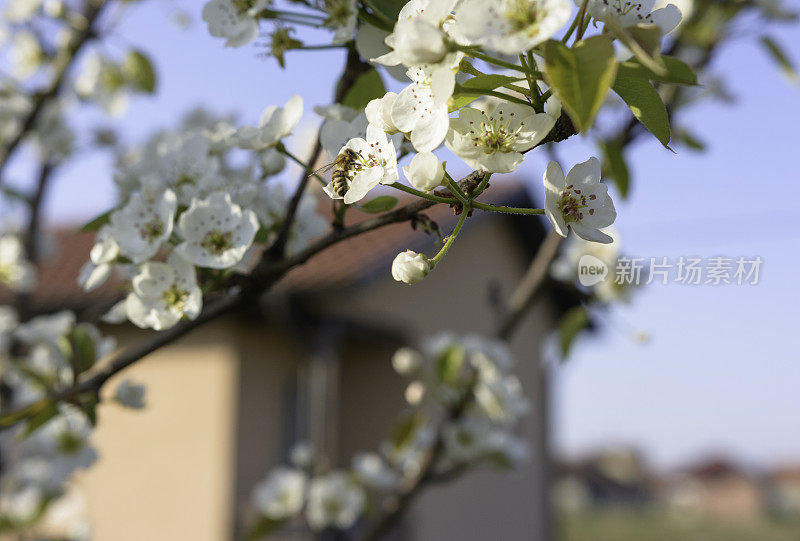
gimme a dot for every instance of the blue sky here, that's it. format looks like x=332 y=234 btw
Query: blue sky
x=721 y=371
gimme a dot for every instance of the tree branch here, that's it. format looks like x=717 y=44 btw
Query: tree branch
x=60 y=67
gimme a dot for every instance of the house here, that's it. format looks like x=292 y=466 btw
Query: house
x=716 y=488
x=311 y=362
x=783 y=491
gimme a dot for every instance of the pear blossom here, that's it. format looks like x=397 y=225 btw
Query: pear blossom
x=467 y=439
x=406 y=361
x=272 y=162
x=337 y=132
x=500 y=397
x=45 y=329
x=20 y=11
x=96 y=271
x=302 y=455
x=26 y=54
x=492 y=135
x=373 y=471
x=275 y=124
x=143 y=225
x=216 y=232
x=163 y=294
x=130 y=394
x=510 y=26
x=342 y=17
x=16 y=271
x=633 y=12
x=101 y=81
x=376 y=164
x=420 y=35
x=379 y=112
x=425 y=172
x=420 y=110
x=270 y=207
x=334 y=500
x=410 y=267
x=370 y=44
x=580 y=201
x=183 y=164
x=22 y=505
x=234 y=20
x=281 y=495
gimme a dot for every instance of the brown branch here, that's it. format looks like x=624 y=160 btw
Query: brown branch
x=60 y=67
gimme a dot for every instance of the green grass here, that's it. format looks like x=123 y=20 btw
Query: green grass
x=620 y=525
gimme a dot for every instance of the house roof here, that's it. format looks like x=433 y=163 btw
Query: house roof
x=344 y=264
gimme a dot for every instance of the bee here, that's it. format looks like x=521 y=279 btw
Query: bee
x=345 y=164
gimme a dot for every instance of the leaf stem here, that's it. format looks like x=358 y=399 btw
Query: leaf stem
x=423 y=195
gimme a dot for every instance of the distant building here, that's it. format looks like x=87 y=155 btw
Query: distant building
x=612 y=478
x=783 y=491
x=716 y=488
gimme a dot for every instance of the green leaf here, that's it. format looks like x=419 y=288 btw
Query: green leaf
x=388 y=8
x=450 y=363
x=406 y=429
x=263 y=527
x=83 y=348
x=646 y=105
x=138 y=72
x=97 y=222
x=691 y=141
x=478 y=84
x=581 y=76
x=35 y=421
x=379 y=204
x=678 y=72
x=262 y=235
x=571 y=324
x=779 y=55
x=367 y=87
x=615 y=167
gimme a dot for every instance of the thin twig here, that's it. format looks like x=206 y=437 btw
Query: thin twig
x=60 y=68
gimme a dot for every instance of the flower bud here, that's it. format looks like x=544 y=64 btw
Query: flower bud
x=379 y=112
x=406 y=361
x=425 y=172
x=419 y=42
x=272 y=161
x=410 y=267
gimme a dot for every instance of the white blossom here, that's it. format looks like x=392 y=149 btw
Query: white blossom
x=16 y=271
x=233 y=20
x=184 y=164
x=420 y=109
x=580 y=201
x=379 y=112
x=105 y=251
x=143 y=225
x=425 y=172
x=467 y=439
x=336 y=132
x=101 y=81
x=216 y=232
x=633 y=12
x=45 y=329
x=342 y=17
x=420 y=35
x=26 y=54
x=334 y=500
x=20 y=11
x=275 y=124
x=281 y=495
x=492 y=135
x=164 y=293
x=130 y=394
x=510 y=26
x=373 y=471
x=272 y=161
x=500 y=397
x=410 y=267
x=406 y=361
x=376 y=163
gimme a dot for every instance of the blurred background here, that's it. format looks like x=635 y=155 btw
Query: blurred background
x=677 y=418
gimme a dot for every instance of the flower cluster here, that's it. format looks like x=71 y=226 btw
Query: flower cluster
x=40 y=357
x=463 y=397
x=188 y=214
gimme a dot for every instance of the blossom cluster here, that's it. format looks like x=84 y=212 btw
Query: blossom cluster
x=465 y=403
x=195 y=203
x=39 y=357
